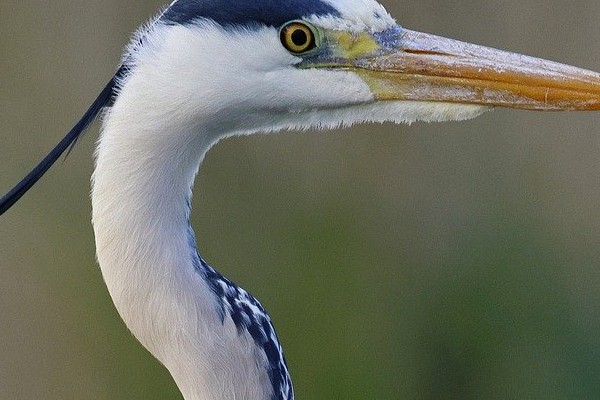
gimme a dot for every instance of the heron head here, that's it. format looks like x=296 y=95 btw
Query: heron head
x=269 y=65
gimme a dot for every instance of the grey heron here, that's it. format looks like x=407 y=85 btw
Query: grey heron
x=291 y=65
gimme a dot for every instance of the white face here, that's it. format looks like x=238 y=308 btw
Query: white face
x=247 y=78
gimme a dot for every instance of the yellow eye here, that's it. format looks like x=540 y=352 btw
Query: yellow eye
x=298 y=37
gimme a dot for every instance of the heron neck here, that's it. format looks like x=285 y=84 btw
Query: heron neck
x=146 y=163
x=141 y=191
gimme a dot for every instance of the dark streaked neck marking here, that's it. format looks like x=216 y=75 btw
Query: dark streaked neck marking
x=249 y=316
x=245 y=12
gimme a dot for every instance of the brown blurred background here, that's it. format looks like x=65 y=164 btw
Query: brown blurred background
x=443 y=261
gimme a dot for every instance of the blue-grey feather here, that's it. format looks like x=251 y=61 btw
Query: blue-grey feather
x=249 y=316
x=245 y=12
x=104 y=99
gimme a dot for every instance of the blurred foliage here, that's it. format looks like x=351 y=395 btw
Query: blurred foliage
x=453 y=261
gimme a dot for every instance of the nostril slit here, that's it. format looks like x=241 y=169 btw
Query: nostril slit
x=426 y=52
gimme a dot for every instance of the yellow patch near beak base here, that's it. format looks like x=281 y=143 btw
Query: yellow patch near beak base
x=353 y=46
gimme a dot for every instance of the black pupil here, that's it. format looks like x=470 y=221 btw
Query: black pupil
x=299 y=37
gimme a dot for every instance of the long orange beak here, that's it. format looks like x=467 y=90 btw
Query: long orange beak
x=417 y=66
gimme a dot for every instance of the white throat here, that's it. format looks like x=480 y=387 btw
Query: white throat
x=146 y=250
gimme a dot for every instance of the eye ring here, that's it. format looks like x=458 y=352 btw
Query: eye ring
x=298 y=37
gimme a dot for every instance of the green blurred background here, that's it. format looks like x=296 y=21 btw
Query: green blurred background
x=443 y=261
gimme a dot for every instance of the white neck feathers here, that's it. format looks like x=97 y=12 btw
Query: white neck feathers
x=147 y=157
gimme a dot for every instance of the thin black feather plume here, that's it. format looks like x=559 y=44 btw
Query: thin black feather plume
x=104 y=99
